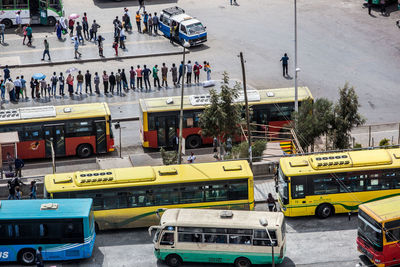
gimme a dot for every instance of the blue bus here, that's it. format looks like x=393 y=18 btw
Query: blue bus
x=64 y=228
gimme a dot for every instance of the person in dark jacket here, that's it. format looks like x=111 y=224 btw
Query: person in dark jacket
x=19 y=164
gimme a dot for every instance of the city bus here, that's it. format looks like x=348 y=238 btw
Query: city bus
x=219 y=236
x=45 y=12
x=337 y=182
x=379 y=231
x=64 y=228
x=159 y=117
x=79 y=130
x=131 y=197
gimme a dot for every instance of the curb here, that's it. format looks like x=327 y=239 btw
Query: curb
x=103 y=59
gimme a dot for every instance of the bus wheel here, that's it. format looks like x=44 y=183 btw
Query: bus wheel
x=324 y=211
x=242 y=262
x=84 y=150
x=51 y=21
x=7 y=22
x=27 y=256
x=193 y=141
x=173 y=260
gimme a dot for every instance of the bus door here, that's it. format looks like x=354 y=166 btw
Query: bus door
x=43 y=11
x=298 y=190
x=166 y=131
x=101 y=140
x=54 y=134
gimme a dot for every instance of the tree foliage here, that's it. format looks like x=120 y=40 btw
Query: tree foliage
x=222 y=117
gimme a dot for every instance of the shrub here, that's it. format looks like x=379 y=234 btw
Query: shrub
x=384 y=142
x=169 y=157
x=242 y=150
x=357 y=145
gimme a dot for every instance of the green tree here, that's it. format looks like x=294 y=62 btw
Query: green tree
x=346 y=117
x=313 y=120
x=222 y=117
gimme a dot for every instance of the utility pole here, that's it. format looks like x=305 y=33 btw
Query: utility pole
x=296 y=69
x=185 y=45
x=247 y=109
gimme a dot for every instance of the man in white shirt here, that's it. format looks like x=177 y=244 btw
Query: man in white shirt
x=18 y=21
x=17 y=85
x=189 y=72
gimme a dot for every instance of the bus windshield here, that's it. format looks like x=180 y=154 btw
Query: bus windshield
x=195 y=28
x=370 y=230
x=283 y=187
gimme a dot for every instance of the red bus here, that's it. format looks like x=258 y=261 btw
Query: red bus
x=159 y=117
x=81 y=130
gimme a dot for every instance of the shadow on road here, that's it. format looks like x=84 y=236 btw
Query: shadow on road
x=337 y=222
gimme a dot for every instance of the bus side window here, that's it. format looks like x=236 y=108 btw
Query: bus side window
x=299 y=187
x=21 y=4
x=167 y=239
x=8 y=4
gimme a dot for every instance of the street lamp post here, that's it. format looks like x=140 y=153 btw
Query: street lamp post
x=296 y=69
x=264 y=223
x=185 y=45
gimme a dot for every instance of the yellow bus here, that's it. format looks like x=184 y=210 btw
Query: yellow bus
x=131 y=197
x=220 y=236
x=327 y=183
x=82 y=130
x=159 y=117
x=379 y=231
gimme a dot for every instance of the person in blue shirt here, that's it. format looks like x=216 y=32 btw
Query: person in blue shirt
x=145 y=21
x=23 y=87
x=6 y=73
x=180 y=72
x=285 y=60
x=146 y=74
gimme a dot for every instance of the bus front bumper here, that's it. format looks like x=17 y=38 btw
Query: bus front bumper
x=373 y=256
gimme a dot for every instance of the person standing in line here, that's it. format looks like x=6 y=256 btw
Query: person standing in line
x=17 y=85
x=127 y=20
x=146 y=77
x=37 y=88
x=122 y=38
x=155 y=77
x=94 y=29
x=78 y=30
x=156 y=21
x=2 y=89
x=369 y=6
x=105 y=82
x=164 y=74
x=100 y=45
x=46 y=49
x=70 y=82
x=48 y=89
x=150 y=22
x=180 y=73
x=32 y=193
x=189 y=70
x=112 y=81
x=141 y=5
x=2 y=31
x=10 y=88
x=285 y=60
x=23 y=87
x=18 y=21
x=145 y=22
x=76 y=47
x=96 y=81
x=39 y=257
x=138 y=19
x=124 y=80
x=132 y=74
x=32 y=85
x=207 y=69
x=71 y=23
x=118 y=80
x=29 y=34
x=116 y=24
x=79 y=79
x=88 y=82
x=54 y=81
x=174 y=72
x=85 y=25
x=139 y=79
x=196 y=69
x=43 y=87
x=61 y=81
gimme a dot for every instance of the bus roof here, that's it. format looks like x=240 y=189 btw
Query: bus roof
x=141 y=176
x=368 y=159
x=51 y=113
x=32 y=209
x=213 y=218
x=193 y=102
x=383 y=210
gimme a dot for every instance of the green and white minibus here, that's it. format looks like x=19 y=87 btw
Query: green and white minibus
x=220 y=236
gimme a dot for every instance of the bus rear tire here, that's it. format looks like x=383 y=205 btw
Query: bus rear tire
x=7 y=22
x=84 y=150
x=51 y=21
x=27 y=256
x=324 y=211
x=242 y=262
x=193 y=141
x=173 y=260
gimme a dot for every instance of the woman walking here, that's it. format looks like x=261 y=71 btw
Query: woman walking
x=33 y=190
x=29 y=34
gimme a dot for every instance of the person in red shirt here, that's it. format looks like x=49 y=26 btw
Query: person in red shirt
x=71 y=23
x=196 y=70
x=139 y=78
